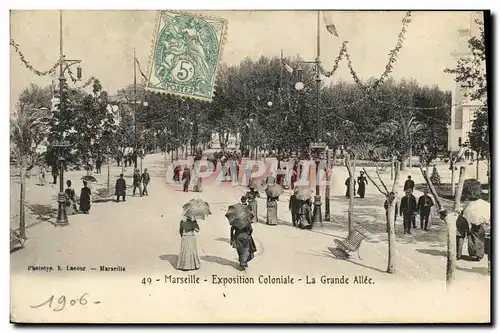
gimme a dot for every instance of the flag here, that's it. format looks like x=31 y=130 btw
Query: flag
x=140 y=70
x=288 y=68
x=330 y=26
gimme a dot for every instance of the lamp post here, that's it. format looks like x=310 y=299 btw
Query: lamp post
x=145 y=104
x=318 y=147
x=64 y=64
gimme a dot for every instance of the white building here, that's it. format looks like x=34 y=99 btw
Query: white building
x=462 y=110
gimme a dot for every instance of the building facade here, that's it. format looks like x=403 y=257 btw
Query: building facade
x=463 y=109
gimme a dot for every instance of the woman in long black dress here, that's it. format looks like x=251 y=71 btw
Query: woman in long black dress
x=476 y=239
x=348 y=187
x=242 y=240
x=362 y=181
x=304 y=215
x=85 y=198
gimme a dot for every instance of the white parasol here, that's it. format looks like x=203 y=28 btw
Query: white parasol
x=477 y=212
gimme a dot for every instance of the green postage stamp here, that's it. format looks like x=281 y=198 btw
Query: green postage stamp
x=186 y=53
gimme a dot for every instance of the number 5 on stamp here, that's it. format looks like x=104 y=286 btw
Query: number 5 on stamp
x=186 y=53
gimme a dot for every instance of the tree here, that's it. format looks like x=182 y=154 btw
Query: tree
x=350 y=163
x=450 y=218
x=391 y=198
x=35 y=96
x=398 y=135
x=28 y=129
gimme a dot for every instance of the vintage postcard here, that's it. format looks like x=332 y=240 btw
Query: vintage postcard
x=249 y=167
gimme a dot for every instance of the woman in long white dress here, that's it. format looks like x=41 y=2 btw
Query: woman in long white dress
x=188 y=256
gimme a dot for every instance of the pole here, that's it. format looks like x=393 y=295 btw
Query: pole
x=317 y=198
x=109 y=187
x=281 y=71
x=256 y=147
x=62 y=218
x=135 y=114
x=327 y=187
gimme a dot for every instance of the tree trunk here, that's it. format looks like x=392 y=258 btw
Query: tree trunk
x=403 y=165
x=451 y=259
x=451 y=222
x=391 y=234
x=109 y=187
x=477 y=168
x=166 y=154
x=452 y=179
x=392 y=167
x=221 y=141
x=327 y=193
x=351 y=168
x=460 y=188
x=409 y=159
x=22 y=217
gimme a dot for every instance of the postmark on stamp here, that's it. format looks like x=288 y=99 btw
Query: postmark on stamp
x=186 y=53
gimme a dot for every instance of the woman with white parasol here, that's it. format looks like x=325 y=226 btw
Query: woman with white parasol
x=188 y=256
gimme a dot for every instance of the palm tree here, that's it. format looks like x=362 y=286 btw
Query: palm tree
x=28 y=129
x=399 y=136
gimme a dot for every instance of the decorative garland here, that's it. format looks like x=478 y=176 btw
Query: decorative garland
x=88 y=83
x=336 y=62
x=392 y=59
x=28 y=64
x=51 y=70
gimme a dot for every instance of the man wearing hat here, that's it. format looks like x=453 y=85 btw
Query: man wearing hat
x=424 y=207
x=409 y=184
x=145 y=181
x=137 y=182
x=120 y=188
x=407 y=210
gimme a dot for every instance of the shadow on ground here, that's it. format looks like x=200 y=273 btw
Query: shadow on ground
x=42 y=212
x=221 y=261
x=224 y=240
x=171 y=258
x=436 y=253
x=478 y=270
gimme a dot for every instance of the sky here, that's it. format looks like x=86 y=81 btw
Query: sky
x=105 y=42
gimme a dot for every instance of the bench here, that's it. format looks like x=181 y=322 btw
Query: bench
x=351 y=243
x=15 y=240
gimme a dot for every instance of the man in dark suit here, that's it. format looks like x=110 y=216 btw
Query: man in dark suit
x=409 y=184
x=407 y=210
x=120 y=188
x=424 y=208
x=186 y=177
